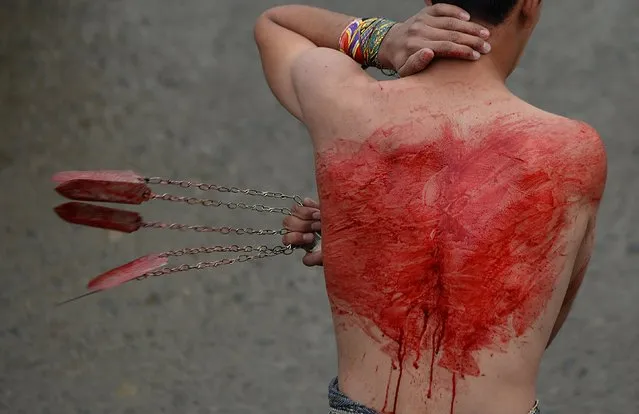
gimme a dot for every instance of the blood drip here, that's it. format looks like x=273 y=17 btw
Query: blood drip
x=449 y=245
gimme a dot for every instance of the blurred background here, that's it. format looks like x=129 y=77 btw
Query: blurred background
x=174 y=88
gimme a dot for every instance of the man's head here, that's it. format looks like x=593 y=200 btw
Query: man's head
x=512 y=22
x=491 y=12
x=495 y=12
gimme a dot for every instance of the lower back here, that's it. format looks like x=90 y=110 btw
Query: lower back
x=447 y=249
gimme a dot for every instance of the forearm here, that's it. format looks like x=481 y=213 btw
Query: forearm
x=322 y=27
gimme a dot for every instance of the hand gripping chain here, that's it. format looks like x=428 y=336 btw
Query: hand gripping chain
x=127 y=187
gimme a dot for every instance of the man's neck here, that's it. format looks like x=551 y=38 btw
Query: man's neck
x=490 y=70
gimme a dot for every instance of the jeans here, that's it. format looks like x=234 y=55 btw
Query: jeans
x=341 y=404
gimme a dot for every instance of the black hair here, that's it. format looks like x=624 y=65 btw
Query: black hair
x=492 y=12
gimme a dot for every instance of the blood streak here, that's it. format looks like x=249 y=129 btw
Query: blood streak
x=450 y=246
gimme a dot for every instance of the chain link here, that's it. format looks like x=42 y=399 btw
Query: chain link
x=209 y=229
x=223 y=189
x=247 y=252
x=262 y=252
x=222 y=249
x=216 y=203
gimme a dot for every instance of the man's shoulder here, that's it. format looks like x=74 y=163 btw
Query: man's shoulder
x=576 y=135
x=554 y=125
x=574 y=141
x=571 y=137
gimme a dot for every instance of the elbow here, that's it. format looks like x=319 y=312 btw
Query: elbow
x=260 y=27
x=265 y=21
x=277 y=14
x=272 y=15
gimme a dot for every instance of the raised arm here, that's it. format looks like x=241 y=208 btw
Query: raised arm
x=283 y=34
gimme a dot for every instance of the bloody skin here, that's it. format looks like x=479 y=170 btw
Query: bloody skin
x=452 y=245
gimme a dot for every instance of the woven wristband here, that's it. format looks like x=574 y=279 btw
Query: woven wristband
x=350 y=41
x=362 y=39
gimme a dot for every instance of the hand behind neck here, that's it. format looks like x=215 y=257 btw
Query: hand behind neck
x=491 y=69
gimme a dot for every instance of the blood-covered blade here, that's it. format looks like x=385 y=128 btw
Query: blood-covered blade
x=99 y=216
x=124 y=187
x=122 y=274
x=103 y=175
x=128 y=272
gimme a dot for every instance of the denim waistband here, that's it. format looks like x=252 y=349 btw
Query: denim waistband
x=340 y=404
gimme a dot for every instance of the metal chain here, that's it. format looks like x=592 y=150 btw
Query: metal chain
x=222 y=249
x=216 y=203
x=222 y=189
x=209 y=229
x=263 y=252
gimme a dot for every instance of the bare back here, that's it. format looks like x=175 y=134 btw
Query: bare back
x=454 y=223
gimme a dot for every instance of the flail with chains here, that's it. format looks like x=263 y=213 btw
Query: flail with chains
x=128 y=187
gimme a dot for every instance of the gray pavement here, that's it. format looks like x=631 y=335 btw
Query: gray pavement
x=174 y=88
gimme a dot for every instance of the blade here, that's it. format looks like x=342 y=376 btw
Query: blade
x=131 y=191
x=99 y=217
x=128 y=272
x=84 y=295
x=102 y=175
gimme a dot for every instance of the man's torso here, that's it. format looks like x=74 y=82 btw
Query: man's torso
x=451 y=225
